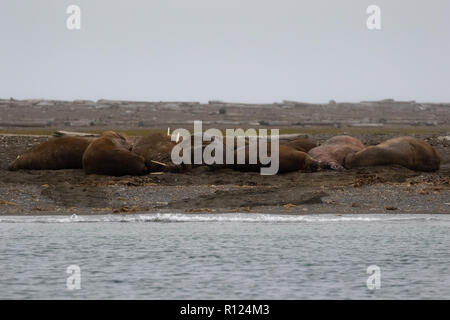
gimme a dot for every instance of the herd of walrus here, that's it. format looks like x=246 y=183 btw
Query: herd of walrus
x=116 y=154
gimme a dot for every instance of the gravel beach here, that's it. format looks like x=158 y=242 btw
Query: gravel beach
x=385 y=189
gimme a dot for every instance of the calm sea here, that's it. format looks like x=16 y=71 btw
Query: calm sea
x=213 y=256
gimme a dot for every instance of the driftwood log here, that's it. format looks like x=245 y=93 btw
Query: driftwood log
x=61 y=133
x=73 y=134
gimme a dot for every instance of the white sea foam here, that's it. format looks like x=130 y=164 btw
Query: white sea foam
x=207 y=217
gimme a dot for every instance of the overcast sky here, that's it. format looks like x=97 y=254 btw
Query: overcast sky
x=231 y=50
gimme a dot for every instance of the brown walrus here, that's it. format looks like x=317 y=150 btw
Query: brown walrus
x=409 y=152
x=157 y=151
x=289 y=159
x=299 y=144
x=54 y=154
x=331 y=154
x=111 y=154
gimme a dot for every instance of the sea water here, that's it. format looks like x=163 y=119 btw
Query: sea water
x=225 y=256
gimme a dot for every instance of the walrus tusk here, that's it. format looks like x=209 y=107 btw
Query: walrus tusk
x=156 y=172
x=178 y=137
x=168 y=131
x=160 y=163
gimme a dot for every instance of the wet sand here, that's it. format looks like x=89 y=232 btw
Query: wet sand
x=384 y=189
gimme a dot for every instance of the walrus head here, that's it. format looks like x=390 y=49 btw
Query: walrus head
x=311 y=164
x=330 y=165
x=323 y=165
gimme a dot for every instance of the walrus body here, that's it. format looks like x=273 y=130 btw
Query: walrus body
x=111 y=155
x=299 y=144
x=54 y=154
x=331 y=154
x=409 y=152
x=289 y=160
x=157 y=151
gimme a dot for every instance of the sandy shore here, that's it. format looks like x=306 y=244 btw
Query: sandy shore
x=387 y=189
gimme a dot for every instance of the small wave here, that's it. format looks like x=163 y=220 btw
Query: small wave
x=271 y=218
x=179 y=217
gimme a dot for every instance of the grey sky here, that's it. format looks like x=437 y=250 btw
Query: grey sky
x=232 y=50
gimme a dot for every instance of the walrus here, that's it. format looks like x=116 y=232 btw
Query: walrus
x=300 y=144
x=156 y=149
x=111 y=154
x=331 y=154
x=289 y=159
x=408 y=152
x=54 y=154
